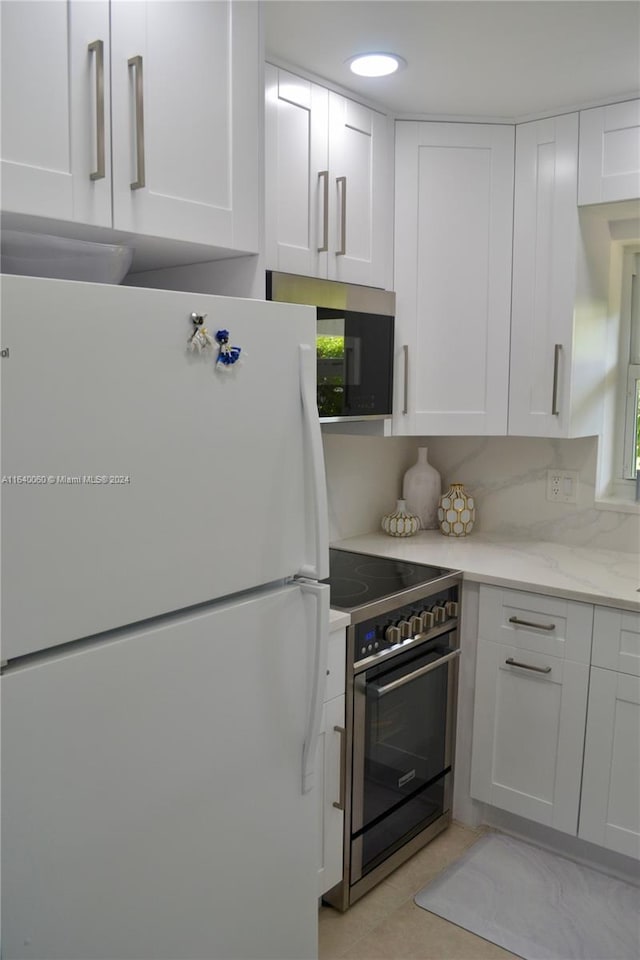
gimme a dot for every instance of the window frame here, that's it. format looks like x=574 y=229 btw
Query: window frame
x=629 y=374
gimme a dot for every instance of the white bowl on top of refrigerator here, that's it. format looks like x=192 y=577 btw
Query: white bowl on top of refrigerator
x=62 y=258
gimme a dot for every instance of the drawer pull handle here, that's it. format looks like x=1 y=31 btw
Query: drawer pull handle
x=527 y=666
x=530 y=623
x=340 y=804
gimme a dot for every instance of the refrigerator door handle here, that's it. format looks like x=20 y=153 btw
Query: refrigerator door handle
x=318 y=569
x=320 y=593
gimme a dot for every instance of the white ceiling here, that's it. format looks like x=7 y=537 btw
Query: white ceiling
x=469 y=58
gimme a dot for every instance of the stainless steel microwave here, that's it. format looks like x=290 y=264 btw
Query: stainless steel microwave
x=354 y=343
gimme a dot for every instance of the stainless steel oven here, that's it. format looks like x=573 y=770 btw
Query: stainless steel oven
x=402 y=672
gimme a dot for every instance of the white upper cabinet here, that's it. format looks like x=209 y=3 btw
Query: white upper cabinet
x=453 y=233
x=328 y=196
x=610 y=153
x=297 y=117
x=55 y=110
x=168 y=89
x=545 y=241
x=184 y=78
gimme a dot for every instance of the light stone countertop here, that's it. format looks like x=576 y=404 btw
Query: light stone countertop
x=338 y=619
x=605 y=577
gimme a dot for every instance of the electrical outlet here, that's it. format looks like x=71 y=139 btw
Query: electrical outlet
x=562 y=486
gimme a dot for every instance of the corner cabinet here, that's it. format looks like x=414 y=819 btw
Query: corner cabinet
x=453 y=234
x=149 y=106
x=328 y=198
x=610 y=153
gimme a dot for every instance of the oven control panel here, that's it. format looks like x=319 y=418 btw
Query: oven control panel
x=405 y=624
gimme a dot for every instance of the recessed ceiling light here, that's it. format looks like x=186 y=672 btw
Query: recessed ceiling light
x=375 y=64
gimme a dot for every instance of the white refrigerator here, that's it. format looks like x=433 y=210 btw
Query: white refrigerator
x=164 y=529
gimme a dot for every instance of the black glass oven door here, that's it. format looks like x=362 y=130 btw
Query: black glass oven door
x=403 y=734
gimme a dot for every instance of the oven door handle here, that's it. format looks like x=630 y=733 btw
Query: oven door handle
x=395 y=684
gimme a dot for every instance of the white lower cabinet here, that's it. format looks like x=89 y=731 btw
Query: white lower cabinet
x=610 y=811
x=331 y=807
x=556 y=730
x=528 y=733
x=331 y=767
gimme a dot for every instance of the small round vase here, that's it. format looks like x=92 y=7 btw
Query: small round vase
x=421 y=488
x=401 y=523
x=456 y=512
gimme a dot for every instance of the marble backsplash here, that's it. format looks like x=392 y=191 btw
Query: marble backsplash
x=507 y=476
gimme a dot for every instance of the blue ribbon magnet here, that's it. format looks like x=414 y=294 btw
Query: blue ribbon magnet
x=227 y=356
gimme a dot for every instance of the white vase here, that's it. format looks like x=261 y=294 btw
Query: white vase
x=400 y=523
x=421 y=488
x=457 y=512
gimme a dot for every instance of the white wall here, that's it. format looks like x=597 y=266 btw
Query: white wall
x=507 y=475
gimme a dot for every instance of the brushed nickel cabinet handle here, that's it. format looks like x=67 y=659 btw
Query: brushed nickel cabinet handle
x=139 y=182
x=340 y=804
x=556 y=365
x=405 y=404
x=97 y=47
x=527 y=666
x=530 y=623
x=324 y=175
x=343 y=217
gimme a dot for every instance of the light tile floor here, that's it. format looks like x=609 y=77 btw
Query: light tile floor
x=387 y=925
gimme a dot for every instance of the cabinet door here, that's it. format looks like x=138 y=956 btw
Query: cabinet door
x=185 y=107
x=331 y=794
x=297 y=175
x=545 y=238
x=49 y=110
x=359 y=194
x=453 y=232
x=610 y=809
x=616 y=640
x=610 y=153
x=528 y=734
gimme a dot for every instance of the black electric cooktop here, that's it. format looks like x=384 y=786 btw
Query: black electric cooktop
x=359 y=578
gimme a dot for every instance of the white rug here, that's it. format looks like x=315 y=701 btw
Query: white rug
x=536 y=904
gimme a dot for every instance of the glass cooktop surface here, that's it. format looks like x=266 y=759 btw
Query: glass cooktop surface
x=359 y=578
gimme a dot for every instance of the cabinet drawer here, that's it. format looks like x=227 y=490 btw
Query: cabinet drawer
x=530 y=621
x=336 y=664
x=616 y=640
